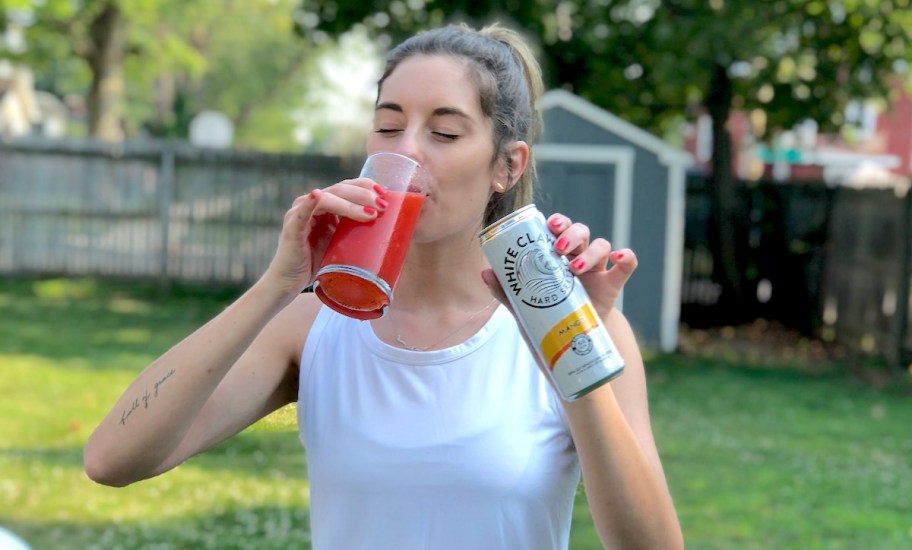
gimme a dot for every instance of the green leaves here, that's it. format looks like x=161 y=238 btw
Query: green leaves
x=241 y=57
x=650 y=60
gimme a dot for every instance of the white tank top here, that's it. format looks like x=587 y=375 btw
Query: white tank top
x=461 y=448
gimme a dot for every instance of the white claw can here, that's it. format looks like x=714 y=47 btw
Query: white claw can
x=553 y=309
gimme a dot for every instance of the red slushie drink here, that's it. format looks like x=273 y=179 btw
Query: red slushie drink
x=364 y=259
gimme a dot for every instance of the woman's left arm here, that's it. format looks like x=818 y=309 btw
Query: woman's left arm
x=625 y=484
x=628 y=495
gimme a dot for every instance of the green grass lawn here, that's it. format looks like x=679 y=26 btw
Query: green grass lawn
x=757 y=457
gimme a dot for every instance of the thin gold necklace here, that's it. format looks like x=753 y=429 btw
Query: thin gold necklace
x=449 y=334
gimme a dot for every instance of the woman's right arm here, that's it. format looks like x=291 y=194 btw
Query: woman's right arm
x=235 y=369
x=158 y=410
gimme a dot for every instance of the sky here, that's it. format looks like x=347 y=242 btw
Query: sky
x=346 y=101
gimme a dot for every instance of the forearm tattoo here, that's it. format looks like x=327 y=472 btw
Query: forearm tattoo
x=145 y=399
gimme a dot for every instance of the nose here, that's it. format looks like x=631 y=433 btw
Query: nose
x=408 y=145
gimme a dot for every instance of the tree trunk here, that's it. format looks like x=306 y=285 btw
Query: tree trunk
x=726 y=231
x=106 y=57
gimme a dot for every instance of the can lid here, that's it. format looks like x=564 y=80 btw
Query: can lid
x=507 y=222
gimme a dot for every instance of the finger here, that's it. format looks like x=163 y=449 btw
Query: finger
x=361 y=190
x=302 y=209
x=346 y=187
x=320 y=228
x=623 y=264
x=605 y=286
x=573 y=240
x=593 y=258
x=350 y=201
x=557 y=223
x=301 y=221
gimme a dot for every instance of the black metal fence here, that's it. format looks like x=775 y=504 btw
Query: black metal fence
x=831 y=262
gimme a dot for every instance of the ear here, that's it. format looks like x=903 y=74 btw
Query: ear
x=507 y=176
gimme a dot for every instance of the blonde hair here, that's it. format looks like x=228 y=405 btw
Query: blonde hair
x=509 y=82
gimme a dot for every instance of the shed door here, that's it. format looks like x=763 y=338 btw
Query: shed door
x=582 y=191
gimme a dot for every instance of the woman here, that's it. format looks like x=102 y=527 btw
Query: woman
x=431 y=427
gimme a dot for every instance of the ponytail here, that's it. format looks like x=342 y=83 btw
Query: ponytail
x=521 y=194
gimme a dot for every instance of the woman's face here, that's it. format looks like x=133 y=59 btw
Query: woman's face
x=429 y=109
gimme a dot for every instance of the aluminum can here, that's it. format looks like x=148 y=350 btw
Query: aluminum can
x=552 y=306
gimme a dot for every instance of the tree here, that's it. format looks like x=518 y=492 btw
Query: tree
x=69 y=42
x=653 y=61
x=253 y=69
x=789 y=59
x=148 y=66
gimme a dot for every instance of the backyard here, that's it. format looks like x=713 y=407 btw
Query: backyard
x=763 y=449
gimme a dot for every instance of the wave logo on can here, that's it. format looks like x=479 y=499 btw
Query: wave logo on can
x=535 y=275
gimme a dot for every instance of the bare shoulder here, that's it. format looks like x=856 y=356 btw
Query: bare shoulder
x=288 y=330
x=272 y=360
x=301 y=311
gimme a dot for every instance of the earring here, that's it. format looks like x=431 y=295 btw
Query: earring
x=500 y=187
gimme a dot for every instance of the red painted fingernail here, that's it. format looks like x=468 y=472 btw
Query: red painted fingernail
x=370 y=211
x=618 y=255
x=578 y=264
x=378 y=189
x=555 y=222
x=562 y=244
x=313 y=194
x=382 y=203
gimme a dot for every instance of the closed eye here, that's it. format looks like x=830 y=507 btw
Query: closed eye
x=450 y=137
x=387 y=130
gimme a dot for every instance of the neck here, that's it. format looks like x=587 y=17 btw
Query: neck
x=472 y=323
x=440 y=299
x=435 y=277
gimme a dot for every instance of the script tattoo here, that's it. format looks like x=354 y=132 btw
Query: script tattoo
x=146 y=399
x=126 y=414
x=162 y=381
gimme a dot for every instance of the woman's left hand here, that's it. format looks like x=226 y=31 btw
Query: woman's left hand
x=590 y=261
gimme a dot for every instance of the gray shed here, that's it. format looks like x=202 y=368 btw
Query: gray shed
x=627 y=186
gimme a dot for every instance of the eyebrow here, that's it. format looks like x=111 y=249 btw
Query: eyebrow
x=439 y=111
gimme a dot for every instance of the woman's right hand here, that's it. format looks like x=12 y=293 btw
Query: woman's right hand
x=310 y=223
